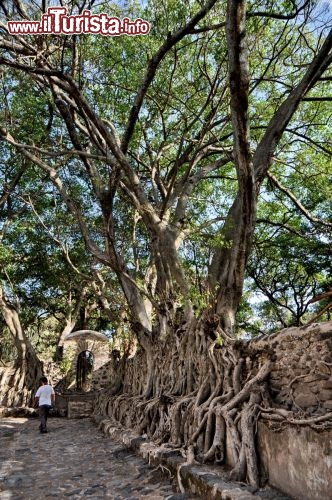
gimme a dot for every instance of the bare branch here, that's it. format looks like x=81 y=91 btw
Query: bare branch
x=317 y=99
x=54 y=177
x=274 y=15
x=296 y=202
x=306 y=138
x=153 y=66
x=265 y=14
x=63 y=246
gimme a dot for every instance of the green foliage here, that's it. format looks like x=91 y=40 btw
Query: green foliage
x=182 y=154
x=66 y=363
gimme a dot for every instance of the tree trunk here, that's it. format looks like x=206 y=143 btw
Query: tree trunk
x=228 y=266
x=70 y=321
x=18 y=384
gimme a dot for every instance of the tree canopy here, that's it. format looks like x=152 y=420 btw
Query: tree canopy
x=184 y=170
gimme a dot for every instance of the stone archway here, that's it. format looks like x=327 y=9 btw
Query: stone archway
x=84 y=369
x=89 y=353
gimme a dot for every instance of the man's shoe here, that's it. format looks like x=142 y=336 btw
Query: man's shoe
x=43 y=431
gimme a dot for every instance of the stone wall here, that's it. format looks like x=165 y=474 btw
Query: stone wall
x=110 y=375
x=301 y=379
x=297 y=458
x=294 y=449
x=80 y=405
x=103 y=377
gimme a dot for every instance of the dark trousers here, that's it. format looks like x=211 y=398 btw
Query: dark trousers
x=43 y=414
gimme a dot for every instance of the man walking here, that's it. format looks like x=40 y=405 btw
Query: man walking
x=45 y=398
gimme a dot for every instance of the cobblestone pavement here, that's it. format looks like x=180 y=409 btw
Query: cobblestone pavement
x=73 y=460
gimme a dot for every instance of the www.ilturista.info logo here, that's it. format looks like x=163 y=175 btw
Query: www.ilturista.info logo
x=57 y=22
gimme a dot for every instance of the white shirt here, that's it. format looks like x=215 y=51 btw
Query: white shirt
x=44 y=394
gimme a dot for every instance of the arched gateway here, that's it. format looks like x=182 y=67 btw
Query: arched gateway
x=84 y=369
x=90 y=352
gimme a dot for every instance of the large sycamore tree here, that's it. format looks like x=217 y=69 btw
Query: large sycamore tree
x=159 y=148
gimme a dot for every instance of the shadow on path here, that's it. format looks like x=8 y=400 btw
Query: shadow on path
x=73 y=460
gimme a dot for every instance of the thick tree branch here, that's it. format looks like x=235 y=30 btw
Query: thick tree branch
x=267 y=146
x=9 y=188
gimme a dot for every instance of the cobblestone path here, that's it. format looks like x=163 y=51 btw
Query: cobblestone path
x=73 y=460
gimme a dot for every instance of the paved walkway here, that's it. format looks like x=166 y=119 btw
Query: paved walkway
x=73 y=460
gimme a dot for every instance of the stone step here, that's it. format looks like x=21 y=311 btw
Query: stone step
x=80 y=406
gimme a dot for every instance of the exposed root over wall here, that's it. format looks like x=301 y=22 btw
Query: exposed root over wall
x=19 y=383
x=206 y=396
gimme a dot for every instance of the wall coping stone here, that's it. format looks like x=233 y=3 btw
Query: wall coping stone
x=208 y=481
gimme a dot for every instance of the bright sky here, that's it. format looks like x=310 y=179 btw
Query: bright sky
x=325 y=4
